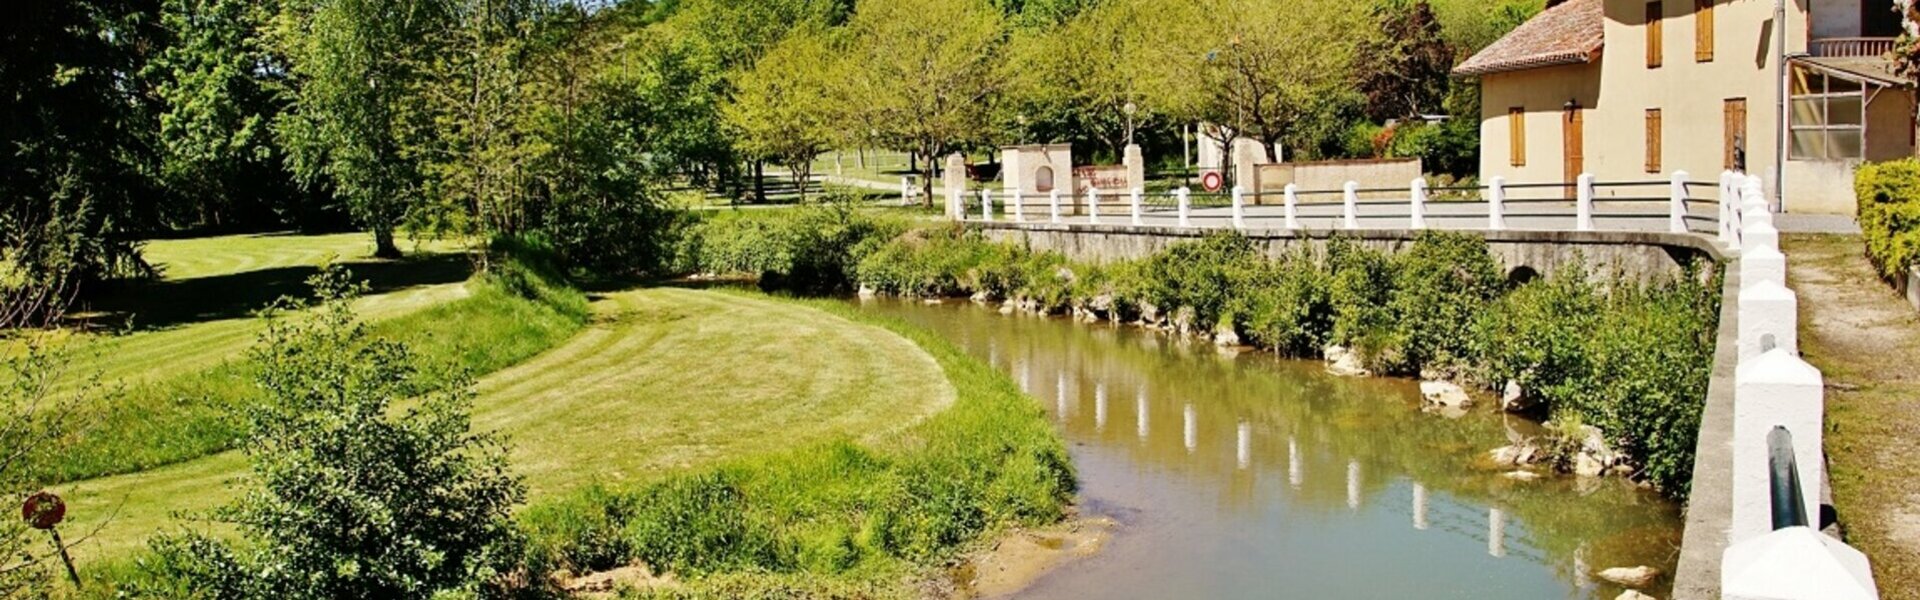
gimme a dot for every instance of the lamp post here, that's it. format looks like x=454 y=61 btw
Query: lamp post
x=1129 y=109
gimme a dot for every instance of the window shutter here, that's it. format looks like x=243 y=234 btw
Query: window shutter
x=1655 y=35
x=1517 y=136
x=1653 y=140
x=1703 y=30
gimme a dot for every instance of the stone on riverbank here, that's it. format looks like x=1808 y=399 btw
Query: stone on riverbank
x=1344 y=362
x=1224 y=336
x=1633 y=577
x=1445 y=394
x=1633 y=595
x=1515 y=399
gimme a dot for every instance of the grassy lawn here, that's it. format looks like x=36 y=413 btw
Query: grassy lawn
x=661 y=380
x=1866 y=341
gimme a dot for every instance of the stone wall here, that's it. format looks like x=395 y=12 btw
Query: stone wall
x=1636 y=254
x=1326 y=175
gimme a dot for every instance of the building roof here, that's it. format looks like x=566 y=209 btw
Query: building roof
x=1567 y=33
x=1865 y=69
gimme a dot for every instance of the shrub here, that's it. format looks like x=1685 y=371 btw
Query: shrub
x=814 y=248
x=1889 y=196
x=1203 y=276
x=1289 y=305
x=1361 y=283
x=1440 y=283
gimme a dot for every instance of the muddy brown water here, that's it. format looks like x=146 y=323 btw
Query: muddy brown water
x=1247 y=476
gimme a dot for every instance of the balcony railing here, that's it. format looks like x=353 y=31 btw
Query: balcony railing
x=1851 y=47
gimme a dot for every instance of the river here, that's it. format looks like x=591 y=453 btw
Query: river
x=1247 y=476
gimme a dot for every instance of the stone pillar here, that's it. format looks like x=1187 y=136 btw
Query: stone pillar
x=1136 y=167
x=1248 y=155
x=1350 y=205
x=1760 y=233
x=956 y=181
x=1184 y=198
x=1417 y=204
x=1777 y=389
x=1093 y=205
x=1583 y=203
x=1768 y=316
x=1053 y=206
x=1796 y=563
x=1677 y=203
x=1292 y=209
x=1133 y=202
x=1728 y=202
x=1019 y=206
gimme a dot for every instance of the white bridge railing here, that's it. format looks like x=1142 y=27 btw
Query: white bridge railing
x=1677 y=204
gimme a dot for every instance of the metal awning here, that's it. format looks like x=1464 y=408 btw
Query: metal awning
x=1869 y=70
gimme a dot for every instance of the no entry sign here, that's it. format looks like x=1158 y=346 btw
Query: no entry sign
x=1212 y=181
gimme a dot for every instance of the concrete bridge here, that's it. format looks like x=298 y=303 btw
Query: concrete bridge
x=1735 y=544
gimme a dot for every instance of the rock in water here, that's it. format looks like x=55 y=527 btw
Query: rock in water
x=1344 y=362
x=867 y=291
x=1585 y=465
x=1225 y=337
x=1633 y=577
x=1633 y=595
x=1445 y=394
x=1515 y=398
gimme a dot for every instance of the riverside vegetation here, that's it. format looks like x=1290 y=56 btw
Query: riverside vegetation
x=1629 y=357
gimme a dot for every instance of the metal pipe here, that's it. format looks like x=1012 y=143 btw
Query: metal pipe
x=1789 y=507
x=1780 y=107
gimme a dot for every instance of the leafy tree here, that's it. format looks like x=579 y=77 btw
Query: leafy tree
x=483 y=97
x=361 y=121
x=221 y=87
x=1403 y=69
x=1470 y=25
x=926 y=73
x=1907 y=50
x=1076 y=80
x=784 y=109
x=358 y=492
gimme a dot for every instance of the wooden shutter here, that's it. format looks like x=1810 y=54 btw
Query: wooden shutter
x=1735 y=132
x=1653 y=140
x=1517 y=136
x=1703 y=30
x=1655 y=35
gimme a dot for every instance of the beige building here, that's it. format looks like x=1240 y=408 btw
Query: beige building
x=1632 y=90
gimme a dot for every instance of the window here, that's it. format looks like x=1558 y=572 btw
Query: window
x=1655 y=34
x=1517 y=135
x=1653 y=140
x=1703 y=30
x=1827 y=117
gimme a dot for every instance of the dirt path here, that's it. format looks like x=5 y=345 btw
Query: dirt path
x=1866 y=341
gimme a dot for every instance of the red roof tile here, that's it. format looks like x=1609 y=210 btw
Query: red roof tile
x=1568 y=33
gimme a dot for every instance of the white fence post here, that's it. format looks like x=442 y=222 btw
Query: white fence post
x=1497 y=204
x=1292 y=208
x=1797 y=563
x=1184 y=197
x=1775 y=389
x=957 y=204
x=1093 y=205
x=1753 y=203
x=906 y=191
x=1133 y=201
x=1417 y=204
x=1677 y=207
x=1727 y=195
x=1239 y=208
x=1019 y=207
x=1768 y=316
x=1349 y=205
x=986 y=205
x=1053 y=205
x=1583 y=203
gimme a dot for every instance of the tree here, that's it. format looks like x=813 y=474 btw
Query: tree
x=1075 y=81
x=221 y=87
x=1403 y=70
x=925 y=73
x=483 y=98
x=361 y=122
x=357 y=491
x=784 y=109
x=1907 y=50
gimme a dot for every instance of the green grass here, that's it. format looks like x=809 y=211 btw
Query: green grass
x=659 y=381
x=846 y=516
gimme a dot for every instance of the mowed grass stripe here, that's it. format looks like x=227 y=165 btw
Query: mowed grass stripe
x=662 y=380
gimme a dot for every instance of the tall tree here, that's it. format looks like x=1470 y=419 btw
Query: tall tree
x=925 y=74
x=1075 y=81
x=361 y=121
x=784 y=109
x=483 y=100
x=1404 y=68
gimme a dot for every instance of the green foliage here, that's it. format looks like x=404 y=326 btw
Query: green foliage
x=1404 y=69
x=813 y=248
x=927 y=72
x=1289 y=304
x=1440 y=282
x=784 y=109
x=359 y=492
x=836 y=509
x=1889 y=195
x=1205 y=276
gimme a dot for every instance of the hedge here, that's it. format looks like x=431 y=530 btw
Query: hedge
x=1889 y=195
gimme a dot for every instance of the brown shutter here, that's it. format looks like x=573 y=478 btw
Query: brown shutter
x=1653 y=140
x=1517 y=136
x=1703 y=30
x=1736 y=131
x=1655 y=35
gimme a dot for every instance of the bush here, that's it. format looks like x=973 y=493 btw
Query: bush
x=1889 y=196
x=1289 y=305
x=1440 y=283
x=814 y=248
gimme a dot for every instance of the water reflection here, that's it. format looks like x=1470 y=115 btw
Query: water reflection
x=1380 y=500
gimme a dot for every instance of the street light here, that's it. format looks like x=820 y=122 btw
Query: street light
x=1129 y=109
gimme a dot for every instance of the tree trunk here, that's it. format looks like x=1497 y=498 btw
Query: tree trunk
x=383 y=246
x=759 y=182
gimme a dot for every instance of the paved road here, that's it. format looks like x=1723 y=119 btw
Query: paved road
x=1555 y=215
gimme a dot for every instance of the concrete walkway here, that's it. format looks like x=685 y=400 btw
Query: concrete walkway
x=1866 y=340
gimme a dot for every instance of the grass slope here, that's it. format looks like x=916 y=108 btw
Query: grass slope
x=660 y=380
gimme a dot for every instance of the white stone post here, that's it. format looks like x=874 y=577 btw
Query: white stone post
x=906 y=191
x=1292 y=208
x=1093 y=205
x=1768 y=315
x=1053 y=206
x=1759 y=234
x=1497 y=204
x=1239 y=208
x=1753 y=203
x=986 y=205
x=1762 y=263
x=1677 y=204
x=1184 y=198
x=1727 y=195
x=957 y=205
x=1776 y=389
x=1133 y=205
x=1417 y=204
x=1349 y=208
x=1796 y=563
x=1583 y=203
x=1019 y=207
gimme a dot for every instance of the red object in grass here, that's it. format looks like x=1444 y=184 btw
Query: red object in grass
x=43 y=510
